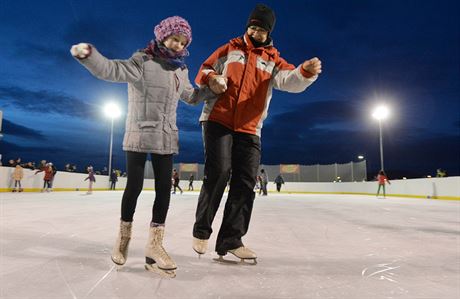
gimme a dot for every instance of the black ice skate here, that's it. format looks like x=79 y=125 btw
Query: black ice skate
x=246 y=256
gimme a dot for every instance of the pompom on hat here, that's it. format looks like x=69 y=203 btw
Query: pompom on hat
x=173 y=25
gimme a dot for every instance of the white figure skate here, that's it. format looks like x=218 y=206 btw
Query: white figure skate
x=120 y=250
x=156 y=258
x=200 y=246
x=246 y=256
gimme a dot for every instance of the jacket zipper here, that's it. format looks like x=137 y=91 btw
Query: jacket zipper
x=239 y=91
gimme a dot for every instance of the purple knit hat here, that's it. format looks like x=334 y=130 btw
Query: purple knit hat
x=173 y=25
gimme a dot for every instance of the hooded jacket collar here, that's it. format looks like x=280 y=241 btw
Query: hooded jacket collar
x=244 y=42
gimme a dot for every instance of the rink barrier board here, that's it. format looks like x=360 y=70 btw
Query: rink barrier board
x=373 y=194
x=273 y=192
x=66 y=189
x=435 y=188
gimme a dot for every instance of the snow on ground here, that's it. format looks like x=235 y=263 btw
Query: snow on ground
x=58 y=245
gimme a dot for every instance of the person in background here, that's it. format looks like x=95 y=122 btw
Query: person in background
x=441 y=173
x=91 y=178
x=176 y=180
x=382 y=179
x=190 y=182
x=113 y=179
x=42 y=165
x=54 y=173
x=279 y=181
x=263 y=182
x=48 y=178
x=18 y=175
x=29 y=165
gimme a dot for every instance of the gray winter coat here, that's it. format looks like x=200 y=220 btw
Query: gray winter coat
x=154 y=88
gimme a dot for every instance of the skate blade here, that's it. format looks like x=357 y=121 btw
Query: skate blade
x=118 y=266
x=246 y=262
x=164 y=273
x=199 y=253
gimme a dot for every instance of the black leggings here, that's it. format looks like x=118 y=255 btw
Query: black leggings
x=162 y=169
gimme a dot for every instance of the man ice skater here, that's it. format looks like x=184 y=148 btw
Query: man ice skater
x=242 y=74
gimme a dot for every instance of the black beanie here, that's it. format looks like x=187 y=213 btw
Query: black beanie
x=262 y=16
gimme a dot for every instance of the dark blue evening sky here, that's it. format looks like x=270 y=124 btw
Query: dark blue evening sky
x=405 y=54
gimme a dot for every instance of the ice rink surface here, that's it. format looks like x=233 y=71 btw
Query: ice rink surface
x=58 y=245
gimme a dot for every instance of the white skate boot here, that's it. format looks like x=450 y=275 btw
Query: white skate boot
x=156 y=258
x=120 y=250
x=246 y=256
x=200 y=246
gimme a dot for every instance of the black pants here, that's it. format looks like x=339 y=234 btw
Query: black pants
x=112 y=185
x=225 y=151
x=176 y=185
x=162 y=169
x=278 y=187
x=263 y=187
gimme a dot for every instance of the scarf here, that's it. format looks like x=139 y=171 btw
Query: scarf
x=257 y=44
x=157 y=49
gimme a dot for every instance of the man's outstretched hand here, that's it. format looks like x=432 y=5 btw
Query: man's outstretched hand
x=313 y=66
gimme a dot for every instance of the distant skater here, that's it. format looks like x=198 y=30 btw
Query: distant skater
x=18 y=175
x=190 y=182
x=279 y=181
x=113 y=179
x=48 y=178
x=382 y=180
x=176 y=180
x=91 y=178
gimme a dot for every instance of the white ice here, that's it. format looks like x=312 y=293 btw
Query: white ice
x=58 y=245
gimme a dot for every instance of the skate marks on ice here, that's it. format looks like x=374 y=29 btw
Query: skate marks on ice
x=381 y=271
x=65 y=280
x=142 y=267
x=100 y=280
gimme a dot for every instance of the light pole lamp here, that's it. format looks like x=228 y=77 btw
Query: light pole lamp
x=112 y=111
x=380 y=113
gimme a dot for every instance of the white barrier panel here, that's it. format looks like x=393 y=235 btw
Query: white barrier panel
x=448 y=188
x=425 y=187
x=69 y=181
